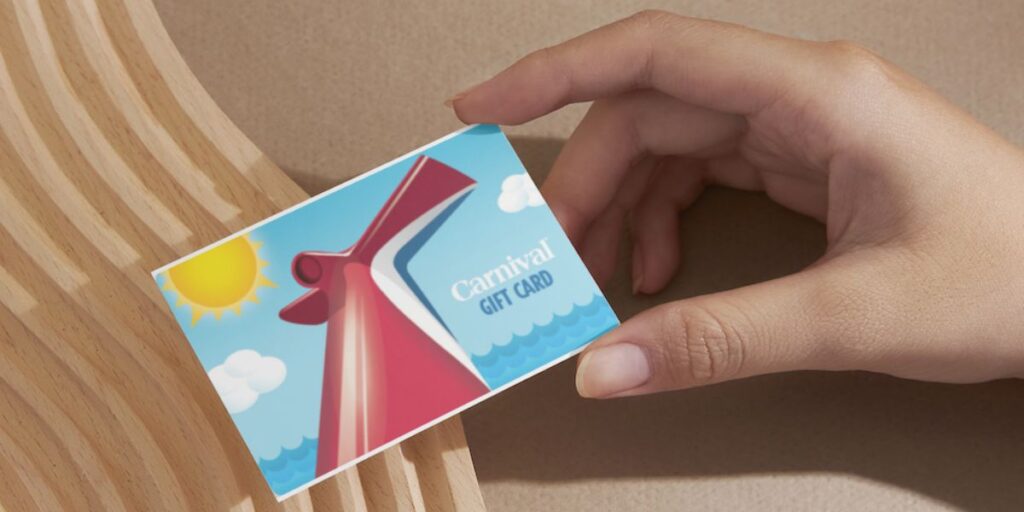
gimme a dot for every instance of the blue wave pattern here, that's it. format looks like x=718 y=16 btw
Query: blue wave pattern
x=295 y=467
x=545 y=343
x=292 y=469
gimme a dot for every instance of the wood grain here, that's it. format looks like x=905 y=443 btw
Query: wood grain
x=115 y=161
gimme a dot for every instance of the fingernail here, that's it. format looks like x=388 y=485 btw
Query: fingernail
x=638 y=270
x=451 y=101
x=611 y=370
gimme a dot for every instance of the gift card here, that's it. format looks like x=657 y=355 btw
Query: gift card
x=362 y=316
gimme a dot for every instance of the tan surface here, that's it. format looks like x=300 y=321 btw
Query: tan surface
x=113 y=162
x=331 y=89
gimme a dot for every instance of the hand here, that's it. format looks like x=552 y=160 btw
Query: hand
x=923 y=277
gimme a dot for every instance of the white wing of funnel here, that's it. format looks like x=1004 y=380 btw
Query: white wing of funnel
x=389 y=278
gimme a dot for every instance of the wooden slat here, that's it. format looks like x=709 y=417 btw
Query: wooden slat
x=115 y=161
x=445 y=468
x=342 y=493
x=390 y=483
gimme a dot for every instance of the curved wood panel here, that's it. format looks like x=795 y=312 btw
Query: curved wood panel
x=114 y=161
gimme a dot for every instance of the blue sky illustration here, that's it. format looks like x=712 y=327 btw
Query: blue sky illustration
x=477 y=237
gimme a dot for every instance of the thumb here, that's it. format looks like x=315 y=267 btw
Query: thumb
x=775 y=326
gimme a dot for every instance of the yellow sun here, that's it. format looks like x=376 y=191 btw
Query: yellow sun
x=219 y=279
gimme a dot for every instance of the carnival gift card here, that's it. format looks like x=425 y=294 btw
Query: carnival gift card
x=376 y=309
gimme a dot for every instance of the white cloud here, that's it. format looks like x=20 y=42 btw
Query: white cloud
x=244 y=376
x=518 y=192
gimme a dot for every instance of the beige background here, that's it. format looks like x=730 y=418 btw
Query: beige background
x=331 y=89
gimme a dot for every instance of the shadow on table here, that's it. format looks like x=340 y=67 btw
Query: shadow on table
x=960 y=444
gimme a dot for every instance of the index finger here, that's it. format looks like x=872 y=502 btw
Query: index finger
x=706 y=63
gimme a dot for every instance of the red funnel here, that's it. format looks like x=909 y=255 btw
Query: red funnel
x=390 y=364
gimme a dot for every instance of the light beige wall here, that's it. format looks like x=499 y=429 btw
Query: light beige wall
x=330 y=89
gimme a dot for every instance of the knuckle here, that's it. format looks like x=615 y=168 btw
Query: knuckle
x=857 y=67
x=548 y=62
x=645 y=26
x=542 y=60
x=701 y=347
x=649 y=19
x=854 y=86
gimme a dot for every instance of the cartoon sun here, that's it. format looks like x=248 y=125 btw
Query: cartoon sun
x=219 y=279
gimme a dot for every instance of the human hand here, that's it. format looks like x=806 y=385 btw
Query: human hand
x=923 y=277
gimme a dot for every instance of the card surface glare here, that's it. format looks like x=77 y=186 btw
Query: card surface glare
x=352 y=321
